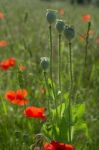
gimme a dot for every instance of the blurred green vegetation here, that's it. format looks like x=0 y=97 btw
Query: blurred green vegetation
x=26 y=29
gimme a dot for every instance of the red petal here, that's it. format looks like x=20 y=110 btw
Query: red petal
x=10 y=95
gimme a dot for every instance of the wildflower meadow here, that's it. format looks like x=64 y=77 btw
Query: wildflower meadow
x=49 y=75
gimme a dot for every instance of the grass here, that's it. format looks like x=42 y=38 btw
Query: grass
x=26 y=29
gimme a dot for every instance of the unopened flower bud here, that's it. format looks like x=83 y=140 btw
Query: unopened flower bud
x=69 y=32
x=51 y=16
x=60 y=25
x=44 y=63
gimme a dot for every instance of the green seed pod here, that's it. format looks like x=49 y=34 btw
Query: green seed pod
x=51 y=16
x=60 y=25
x=69 y=32
x=44 y=63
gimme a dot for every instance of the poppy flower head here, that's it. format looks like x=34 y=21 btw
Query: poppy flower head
x=57 y=146
x=3 y=43
x=1 y=15
x=21 y=93
x=17 y=97
x=35 y=112
x=49 y=146
x=10 y=95
x=86 y=18
x=12 y=61
x=6 y=64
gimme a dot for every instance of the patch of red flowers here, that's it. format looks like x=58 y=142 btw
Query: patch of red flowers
x=35 y=112
x=17 y=97
x=86 y=18
x=54 y=145
x=3 y=43
x=1 y=16
x=8 y=63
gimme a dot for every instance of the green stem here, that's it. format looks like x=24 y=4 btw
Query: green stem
x=51 y=67
x=59 y=71
x=46 y=82
x=59 y=64
x=71 y=88
x=87 y=42
x=51 y=52
x=51 y=61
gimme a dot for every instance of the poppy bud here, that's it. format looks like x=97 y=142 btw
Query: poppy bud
x=44 y=63
x=60 y=25
x=69 y=32
x=51 y=16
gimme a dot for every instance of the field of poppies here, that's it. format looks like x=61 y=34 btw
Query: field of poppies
x=49 y=76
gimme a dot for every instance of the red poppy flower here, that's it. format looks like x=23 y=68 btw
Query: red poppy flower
x=61 y=11
x=21 y=93
x=35 y=112
x=12 y=61
x=3 y=43
x=49 y=147
x=58 y=146
x=1 y=16
x=6 y=64
x=86 y=18
x=10 y=95
x=17 y=97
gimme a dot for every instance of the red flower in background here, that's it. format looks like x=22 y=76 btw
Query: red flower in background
x=86 y=18
x=1 y=16
x=8 y=63
x=22 y=68
x=97 y=41
x=54 y=145
x=35 y=112
x=61 y=11
x=17 y=97
x=3 y=43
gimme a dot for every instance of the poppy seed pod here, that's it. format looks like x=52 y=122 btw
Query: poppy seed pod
x=44 y=63
x=69 y=32
x=51 y=16
x=60 y=25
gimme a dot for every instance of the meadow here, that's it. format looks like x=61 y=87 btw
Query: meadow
x=64 y=96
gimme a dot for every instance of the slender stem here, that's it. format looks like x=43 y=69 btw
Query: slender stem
x=71 y=88
x=87 y=42
x=71 y=67
x=51 y=61
x=59 y=71
x=59 y=63
x=51 y=67
x=51 y=52
x=46 y=82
